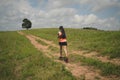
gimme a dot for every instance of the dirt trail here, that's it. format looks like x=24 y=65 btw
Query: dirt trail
x=95 y=55
x=36 y=44
x=83 y=53
x=77 y=69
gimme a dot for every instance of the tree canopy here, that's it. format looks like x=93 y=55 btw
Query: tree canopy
x=26 y=24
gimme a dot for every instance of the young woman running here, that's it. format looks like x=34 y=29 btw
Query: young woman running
x=63 y=43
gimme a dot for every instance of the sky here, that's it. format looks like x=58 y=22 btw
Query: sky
x=100 y=14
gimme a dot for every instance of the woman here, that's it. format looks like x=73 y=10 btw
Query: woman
x=63 y=43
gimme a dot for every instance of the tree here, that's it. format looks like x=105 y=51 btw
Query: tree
x=90 y=28
x=26 y=24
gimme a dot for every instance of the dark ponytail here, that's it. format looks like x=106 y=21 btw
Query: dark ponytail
x=63 y=32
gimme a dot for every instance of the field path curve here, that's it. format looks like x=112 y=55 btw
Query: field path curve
x=76 y=69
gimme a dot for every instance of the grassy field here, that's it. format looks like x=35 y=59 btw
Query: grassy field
x=20 y=60
x=104 y=42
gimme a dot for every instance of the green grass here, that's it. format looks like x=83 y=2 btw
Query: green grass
x=47 y=33
x=106 y=69
x=104 y=42
x=20 y=60
x=42 y=43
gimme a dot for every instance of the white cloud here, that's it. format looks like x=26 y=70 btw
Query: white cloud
x=54 y=4
x=56 y=12
x=12 y=12
x=86 y=19
x=93 y=20
x=98 y=5
x=90 y=19
x=61 y=12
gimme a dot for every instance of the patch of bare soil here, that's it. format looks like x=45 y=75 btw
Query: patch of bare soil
x=95 y=55
x=77 y=70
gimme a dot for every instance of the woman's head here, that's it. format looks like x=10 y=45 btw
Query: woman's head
x=61 y=27
x=62 y=30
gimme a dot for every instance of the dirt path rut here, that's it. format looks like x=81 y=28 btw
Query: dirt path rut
x=77 y=70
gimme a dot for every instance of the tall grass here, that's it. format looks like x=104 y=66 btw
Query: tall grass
x=20 y=60
x=105 y=42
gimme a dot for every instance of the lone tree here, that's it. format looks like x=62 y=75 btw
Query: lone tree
x=26 y=24
x=90 y=28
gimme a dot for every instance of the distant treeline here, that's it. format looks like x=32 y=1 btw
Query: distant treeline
x=90 y=28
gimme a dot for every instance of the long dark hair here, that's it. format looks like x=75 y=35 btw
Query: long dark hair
x=63 y=31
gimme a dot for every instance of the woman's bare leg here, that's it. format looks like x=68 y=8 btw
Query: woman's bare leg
x=66 y=53
x=60 y=51
x=65 y=50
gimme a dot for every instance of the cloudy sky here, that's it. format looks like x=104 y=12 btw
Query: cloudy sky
x=101 y=14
